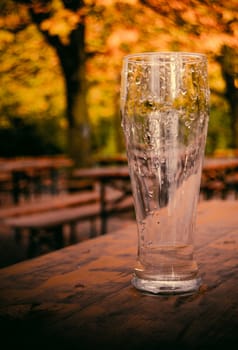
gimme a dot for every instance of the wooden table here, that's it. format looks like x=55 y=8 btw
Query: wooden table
x=107 y=176
x=30 y=169
x=81 y=297
x=219 y=177
x=220 y=163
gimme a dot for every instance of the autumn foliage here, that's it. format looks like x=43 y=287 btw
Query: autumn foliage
x=60 y=66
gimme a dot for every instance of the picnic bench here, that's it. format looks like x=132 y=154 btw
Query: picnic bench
x=219 y=177
x=32 y=175
x=54 y=214
x=50 y=215
x=112 y=177
x=51 y=203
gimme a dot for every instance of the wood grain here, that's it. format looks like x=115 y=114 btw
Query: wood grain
x=80 y=297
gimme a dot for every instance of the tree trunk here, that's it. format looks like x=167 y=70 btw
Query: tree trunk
x=120 y=141
x=72 y=58
x=229 y=64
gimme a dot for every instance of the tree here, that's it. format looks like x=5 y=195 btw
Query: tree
x=112 y=29
x=31 y=88
x=91 y=37
x=63 y=25
x=213 y=27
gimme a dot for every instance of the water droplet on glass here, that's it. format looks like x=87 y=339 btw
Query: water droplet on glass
x=137 y=81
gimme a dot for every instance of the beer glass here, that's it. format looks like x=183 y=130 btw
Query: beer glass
x=165 y=111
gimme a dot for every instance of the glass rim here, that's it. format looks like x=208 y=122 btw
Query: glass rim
x=136 y=57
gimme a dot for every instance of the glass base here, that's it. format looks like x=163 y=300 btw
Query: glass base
x=161 y=287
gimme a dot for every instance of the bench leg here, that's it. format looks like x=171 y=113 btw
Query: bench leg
x=58 y=237
x=33 y=243
x=93 y=228
x=73 y=233
x=18 y=235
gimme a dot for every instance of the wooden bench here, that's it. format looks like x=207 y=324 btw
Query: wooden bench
x=52 y=203
x=16 y=216
x=54 y=221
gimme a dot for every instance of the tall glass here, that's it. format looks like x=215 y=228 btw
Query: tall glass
x=165 y=112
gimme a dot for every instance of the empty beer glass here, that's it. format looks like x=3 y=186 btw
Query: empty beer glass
x=165 y=112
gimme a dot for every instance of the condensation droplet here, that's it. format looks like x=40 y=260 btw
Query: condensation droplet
x=138 y=81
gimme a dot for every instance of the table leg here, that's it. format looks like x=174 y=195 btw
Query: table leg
x=103 y=213
x=16 y=178
x=54 y=174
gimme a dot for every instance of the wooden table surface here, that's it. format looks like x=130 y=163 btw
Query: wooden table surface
x=100 y=173
x=24 y=164
x=220 y=163
x=122 y=171
x=81 y=297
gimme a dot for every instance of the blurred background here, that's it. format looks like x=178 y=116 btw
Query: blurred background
x=60 y=67
x=60 y=64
